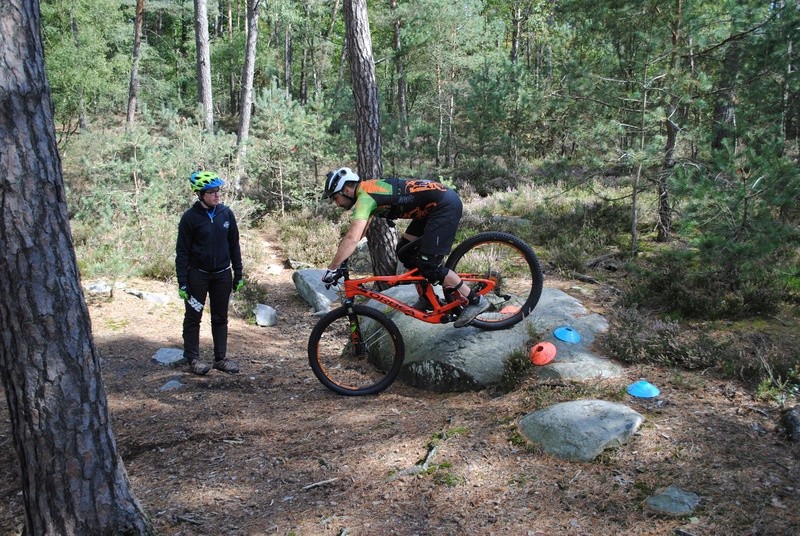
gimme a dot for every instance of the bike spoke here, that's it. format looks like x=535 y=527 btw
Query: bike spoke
x=360 y=366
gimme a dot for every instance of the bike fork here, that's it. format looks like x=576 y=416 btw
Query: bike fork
x=359 y=345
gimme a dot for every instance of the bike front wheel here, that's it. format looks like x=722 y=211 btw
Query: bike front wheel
x=356 y=350
x=514 y=268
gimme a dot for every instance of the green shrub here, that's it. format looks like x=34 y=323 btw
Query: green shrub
x=636 y=337
x=678 y=281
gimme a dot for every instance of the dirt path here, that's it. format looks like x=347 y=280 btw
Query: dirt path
x=271 y=451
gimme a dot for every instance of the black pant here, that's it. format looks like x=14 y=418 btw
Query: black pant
x=218 y=288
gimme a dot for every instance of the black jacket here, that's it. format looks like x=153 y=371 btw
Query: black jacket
x=208 y=244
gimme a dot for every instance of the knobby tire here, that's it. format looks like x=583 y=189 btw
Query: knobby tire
x=340 y=366
x=515 y=268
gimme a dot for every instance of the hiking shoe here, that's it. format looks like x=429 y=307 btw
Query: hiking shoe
x=227 y=365
x=471 y=311
x=201 y=369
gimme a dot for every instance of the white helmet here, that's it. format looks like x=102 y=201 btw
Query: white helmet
x=335 y=180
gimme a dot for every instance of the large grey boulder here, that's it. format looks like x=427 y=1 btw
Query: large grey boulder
x=582 y=429
x=442 y=358
x=574 y=361
x=311 y=289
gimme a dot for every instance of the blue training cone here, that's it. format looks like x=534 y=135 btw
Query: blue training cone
x=643 y=389
x=567 y=334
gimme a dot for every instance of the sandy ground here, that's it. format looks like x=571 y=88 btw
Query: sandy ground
x=271 y=451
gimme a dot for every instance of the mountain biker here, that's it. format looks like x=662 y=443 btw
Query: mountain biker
x=206 y=250
x=434 y=211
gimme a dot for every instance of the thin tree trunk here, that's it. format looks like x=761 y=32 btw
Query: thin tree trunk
x=287 y=59
x=133 y=87
x=380 y=236
x=402 y=101
x=440 y=121
x=73 y=480
x=246 y=99
x=231 y=74
x=516 y=31
x=724 y=125
x=81 y=103
x=204 y=97
x=664 y=222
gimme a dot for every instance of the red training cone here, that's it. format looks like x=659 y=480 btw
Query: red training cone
x=542 y=353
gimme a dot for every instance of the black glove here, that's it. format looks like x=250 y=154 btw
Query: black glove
x=331 y=277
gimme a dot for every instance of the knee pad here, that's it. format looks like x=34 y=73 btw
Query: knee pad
x=405 y=256
x=430 y=267
x=408 y=252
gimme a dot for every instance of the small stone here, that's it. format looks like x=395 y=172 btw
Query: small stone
x=171 y=385
x=265 y=315
x=170 y=357
x=673 y=501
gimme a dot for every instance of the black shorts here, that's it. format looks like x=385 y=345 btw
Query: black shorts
x=438 y=230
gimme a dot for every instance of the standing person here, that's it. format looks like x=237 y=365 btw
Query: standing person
x=208 y=261
x=434 y=211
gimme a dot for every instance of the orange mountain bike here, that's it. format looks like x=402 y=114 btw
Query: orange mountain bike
x=356 y=349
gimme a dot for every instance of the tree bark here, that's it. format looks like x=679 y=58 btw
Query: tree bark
x=73 y=480
x=246 y=99
x=381 y=237
x=402 y=101
x=204 y=97
x=133 y=88
x=664 y=220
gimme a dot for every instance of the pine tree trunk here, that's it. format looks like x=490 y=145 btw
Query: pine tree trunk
x=133 y=88
x=381 y=237
x=246 y=100
x=73 y=480
x=664 y=220
x=402 y=101
x=203 y=63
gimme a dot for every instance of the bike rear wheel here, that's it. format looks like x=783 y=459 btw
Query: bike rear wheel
x=514 y=267
x=356 y=350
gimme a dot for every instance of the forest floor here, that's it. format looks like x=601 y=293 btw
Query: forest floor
x=271 y=451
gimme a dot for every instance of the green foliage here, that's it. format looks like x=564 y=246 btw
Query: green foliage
x=284 y=153
x=636 y=337
x=681 y=282
x=126 y=193
x=517 y=365
x=87 y=59
x=309 y=237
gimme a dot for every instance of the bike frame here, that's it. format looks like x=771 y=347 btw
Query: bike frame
x=441 y=314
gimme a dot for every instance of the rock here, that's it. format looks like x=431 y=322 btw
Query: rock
x=792 y=419
x=160 y=299
x=265 y=315
x=673 y=501
x=98 y=287
x=311 y=288
x=574 y=361
x=582 y=429
x=442 y=358
x=170 y=357
x=297 y=265
x=171 y=385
